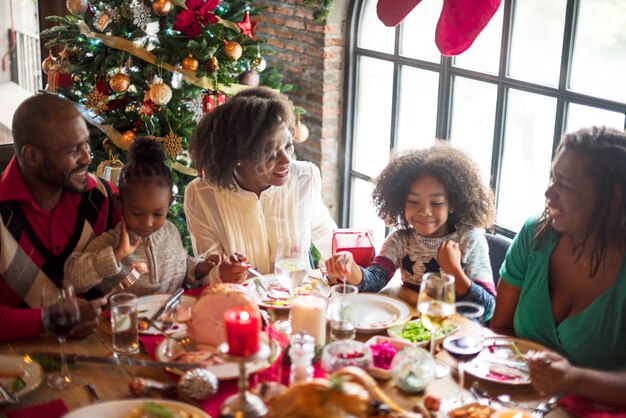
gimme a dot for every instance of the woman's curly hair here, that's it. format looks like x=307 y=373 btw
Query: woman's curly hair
x=471 y=200
x=242 y=129
x=146 y=163
x=605 y=149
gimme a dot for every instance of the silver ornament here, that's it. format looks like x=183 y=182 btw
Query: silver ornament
x=198 y=384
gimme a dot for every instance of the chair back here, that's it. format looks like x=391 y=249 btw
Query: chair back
x=498 y=246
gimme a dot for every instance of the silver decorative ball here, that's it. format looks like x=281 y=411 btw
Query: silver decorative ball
x=198 y=384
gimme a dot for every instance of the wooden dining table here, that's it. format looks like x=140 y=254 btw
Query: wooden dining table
x=112 y=381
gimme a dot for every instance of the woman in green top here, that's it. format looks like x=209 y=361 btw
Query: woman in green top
x=564 y=278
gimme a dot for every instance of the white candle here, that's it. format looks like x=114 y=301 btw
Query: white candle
x=308 y=313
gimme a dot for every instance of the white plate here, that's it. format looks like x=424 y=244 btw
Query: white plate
x=224 y=371
x=321 y=288
x=396 y=332
x=122 y=409
x=376 y=312
x=148 y=305
x=498 y=351
x=31 y=372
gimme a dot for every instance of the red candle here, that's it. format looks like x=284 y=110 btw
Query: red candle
x=242 y=330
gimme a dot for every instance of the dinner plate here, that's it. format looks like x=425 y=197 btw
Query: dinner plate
x=123 y=409
x=376 y=312
x=319 y=287
x=396 y=332
x=148 y=305
x=226 y=371
x=30 y=371
x=498 y=361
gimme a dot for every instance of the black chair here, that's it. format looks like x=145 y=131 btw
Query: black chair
x=498 y=246
x=6 y=153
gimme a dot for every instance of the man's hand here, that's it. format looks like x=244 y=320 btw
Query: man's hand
x=89 y=312
x=125 y=247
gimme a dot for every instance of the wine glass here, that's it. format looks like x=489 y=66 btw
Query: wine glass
x=464 y=347
x=291 y=267
x=59 y=316
x=435 y=304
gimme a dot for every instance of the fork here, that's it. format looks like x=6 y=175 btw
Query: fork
x=185 y=342
x=9 y=396
x=544 y=407
x=125 y=283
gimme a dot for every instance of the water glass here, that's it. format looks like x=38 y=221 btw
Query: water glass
x=124 y=324
x=342 y=312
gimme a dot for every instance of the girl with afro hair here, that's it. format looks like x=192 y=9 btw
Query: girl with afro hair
x=436 y=200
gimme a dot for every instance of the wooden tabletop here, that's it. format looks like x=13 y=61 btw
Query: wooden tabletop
x=111 y=381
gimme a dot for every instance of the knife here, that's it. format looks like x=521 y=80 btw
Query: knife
x=121 y=361
x=175 y=296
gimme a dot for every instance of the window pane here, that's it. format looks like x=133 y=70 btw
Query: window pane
x=527 y=155
x=363 y=213
x=537 y=41
x=372 y=115
x=600 y=50
x=473 y=117
x=579 y=116
x=484 y=53
x=417 y=112
x=417 y=32
x=372 y=33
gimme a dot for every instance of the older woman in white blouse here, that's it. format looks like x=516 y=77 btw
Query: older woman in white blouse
x=251 y=195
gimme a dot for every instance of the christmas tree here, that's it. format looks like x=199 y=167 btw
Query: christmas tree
x=136 y=67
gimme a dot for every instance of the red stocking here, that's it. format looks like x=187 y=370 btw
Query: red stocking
x=461 y=21
x=392 y=12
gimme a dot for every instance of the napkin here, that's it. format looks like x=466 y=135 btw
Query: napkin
x=52 y=409
x=586 y=408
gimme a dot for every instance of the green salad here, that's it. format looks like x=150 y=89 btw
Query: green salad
x=416 y=332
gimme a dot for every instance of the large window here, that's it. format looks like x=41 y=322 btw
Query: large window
x=539 y=69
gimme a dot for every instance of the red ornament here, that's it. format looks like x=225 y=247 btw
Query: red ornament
x=247 y=26
x=196 y=17
x=148 y=106
x=58 y=79
x=243 y=325
x=212 y=100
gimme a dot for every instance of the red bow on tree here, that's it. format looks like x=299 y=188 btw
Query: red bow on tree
x=460 y=22
x=196 y=17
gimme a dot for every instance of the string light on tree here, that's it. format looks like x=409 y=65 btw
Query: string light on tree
x=128 y=137
x=161 y=7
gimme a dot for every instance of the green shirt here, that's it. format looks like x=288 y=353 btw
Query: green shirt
x=594 y=337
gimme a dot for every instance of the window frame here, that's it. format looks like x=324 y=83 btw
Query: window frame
x=447 y=71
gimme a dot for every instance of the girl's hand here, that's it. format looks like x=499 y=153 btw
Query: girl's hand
x=342 y=266
x=234 y=269
x=449 y=257
x=550 y=373
x=125 y=248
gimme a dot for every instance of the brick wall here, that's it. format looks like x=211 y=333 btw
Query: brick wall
x=312 y=57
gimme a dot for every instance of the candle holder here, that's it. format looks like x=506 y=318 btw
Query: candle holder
x=244 y=404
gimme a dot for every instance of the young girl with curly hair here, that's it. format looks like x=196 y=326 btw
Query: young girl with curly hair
x=436 y=199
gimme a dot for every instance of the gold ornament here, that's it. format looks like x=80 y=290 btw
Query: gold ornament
x=213 y=65
x=102 y=21
x=173 y=144
x=48 y=63
x=97 y=102
x=76 y=78
x=119 y=82
x=160 y=93
x=301 y=133
x=250 y=78
x=128 y=137
x=189 y=63
x=161 y=7
x=232 y=50
x=77 y=7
